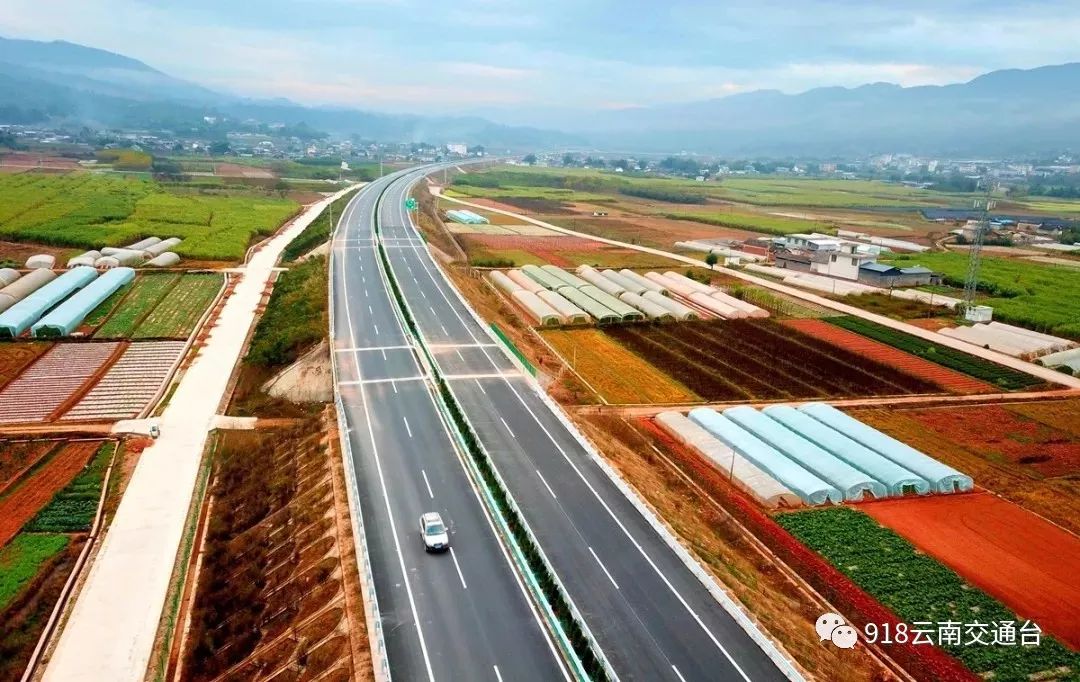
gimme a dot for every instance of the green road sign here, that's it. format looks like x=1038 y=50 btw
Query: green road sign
x=410 y=204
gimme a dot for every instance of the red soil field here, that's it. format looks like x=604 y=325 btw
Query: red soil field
x=947 y=379
x=15 y=357
x=998 y=433
x=17 y=457
x=1028 y=563
x=20 y=504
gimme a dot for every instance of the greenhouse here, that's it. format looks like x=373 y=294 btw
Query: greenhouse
x=526 y=282
x=466 y=217
x=681 y=312
x=570 y=312
x=849 y=480
x=84 y=258
x=504 y=283
x=541 y=312
x=742 y=472
x=600 y=282
x=66 y=317
x=602 y=313
x=644 y=281
x=625 y=312
x=23 y=287
x=139 y=245
x=941 y=477
x=810 y=489
x=564 y=276
x=896 y=478
x=161 y=247
x=163 y=260
x=630 y=285
x=18 y=318
x=651 y=310
x=41 y=260
x=543 y=277
x=8 y=275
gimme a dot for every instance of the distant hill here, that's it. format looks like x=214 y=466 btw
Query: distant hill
x=64 y=83
x=1005 y=112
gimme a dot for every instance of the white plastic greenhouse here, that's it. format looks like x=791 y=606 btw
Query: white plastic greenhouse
x=826 y=466
x=543 y=277
x=600 y=312
x=24 y=286
x=139 y=245
x=571 y=313
x=941 y=477
x=541 y=312
x=599 y=281
x=650 y=309
x=66 y=317
x=626 y=313
x=8 y=275
x=626 y=283
x=760 y=485
x=41 y=261
x=564 y=276
x=18 y=318
x=680 y=311
x=643 y=281
x=527 y=283
x=165 y=259
x=161 y=247
x=84 y=258
x=504 y=283
x=808 y=486
x=896 y=478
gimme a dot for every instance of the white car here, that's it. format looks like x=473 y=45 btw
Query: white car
x=433 y=531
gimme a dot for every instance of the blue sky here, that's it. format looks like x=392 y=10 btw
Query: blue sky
x=515 y=59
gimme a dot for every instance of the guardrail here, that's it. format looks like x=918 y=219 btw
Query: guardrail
x=573 y=637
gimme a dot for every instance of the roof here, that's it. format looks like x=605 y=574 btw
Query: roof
x=917 y=270
x=879 y=267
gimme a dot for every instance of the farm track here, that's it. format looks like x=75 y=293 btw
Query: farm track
x=947 y=379
x=55 y=379
x=24 y=501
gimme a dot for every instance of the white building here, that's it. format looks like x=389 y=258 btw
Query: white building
x=457 y=148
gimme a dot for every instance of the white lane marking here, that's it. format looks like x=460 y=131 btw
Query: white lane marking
x=365 y=293
x=407 y=429
x=427 y=484
x=386 y=495
x=393 y=385
x=433 y=311
x=603 y=568
x=460 y=356
x=443 y=327
x=422 y=293
x=480 y=386
x=460 y=575
x=361 y=349
x=596 y=494
x=544 y=481
x=504 y=375
x=383 y=354
x=376 y=329
x=363 y=280
x=370 y=311
x=678 y=674
x=507 y=428
x=497 y=675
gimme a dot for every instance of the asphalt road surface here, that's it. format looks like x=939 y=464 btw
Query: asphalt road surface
x=652 y=617
x=462 y=615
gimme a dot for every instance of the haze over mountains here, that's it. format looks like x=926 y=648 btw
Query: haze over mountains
x=1009 y=112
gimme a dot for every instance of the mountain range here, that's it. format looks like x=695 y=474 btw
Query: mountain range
x=1001 y=113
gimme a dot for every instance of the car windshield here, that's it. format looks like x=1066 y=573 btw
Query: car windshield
x=434 y=528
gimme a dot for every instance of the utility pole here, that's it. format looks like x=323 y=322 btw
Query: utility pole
x=971 y=281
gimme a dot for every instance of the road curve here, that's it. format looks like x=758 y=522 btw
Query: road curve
x=651 y=615
x=463 y=615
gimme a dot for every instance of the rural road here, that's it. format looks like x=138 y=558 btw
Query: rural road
x=653 y=617
x=463 y=615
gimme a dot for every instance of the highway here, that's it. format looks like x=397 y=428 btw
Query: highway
x=462 y=615
x=651 y=615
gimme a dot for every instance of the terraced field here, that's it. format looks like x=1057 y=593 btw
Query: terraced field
x=144 y=296
x=761 y=360
x=176 y=316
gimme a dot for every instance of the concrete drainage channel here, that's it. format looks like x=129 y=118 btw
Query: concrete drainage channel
x=586 y=660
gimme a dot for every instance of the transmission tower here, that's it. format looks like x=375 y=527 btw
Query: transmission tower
x=971 y=281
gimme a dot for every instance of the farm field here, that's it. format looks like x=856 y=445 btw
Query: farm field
x=23 y=500
x=755 y=222
x=724 y=360
x=1012 y=554
x=18 y=456
x=1041 y=297
x=21 y=559
x=1055 y=498
x=946 y=379
x=17 y=356
x=132 y=382
x=58 y=377
x=617 y=374
x=873 y=556
x=143 y=296
x=83 y=210
x=181 y=308
x=72 y=509
x=564 y=251
x=970 y=365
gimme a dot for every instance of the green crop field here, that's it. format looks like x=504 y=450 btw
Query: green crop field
x=832 y=193
x=1041 y=297
x=754 y=222
x=106 y=307
x=919 y=589
x=144 y=295
x=93 y=210
x=985 y=370
x=72 y=509
x=318 y=231
x=21 y=559
x=179 y=311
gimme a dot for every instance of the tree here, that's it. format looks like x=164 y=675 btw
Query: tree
x=711 y=259
x=530 y=159
x=568 y=159
x=220 y=147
